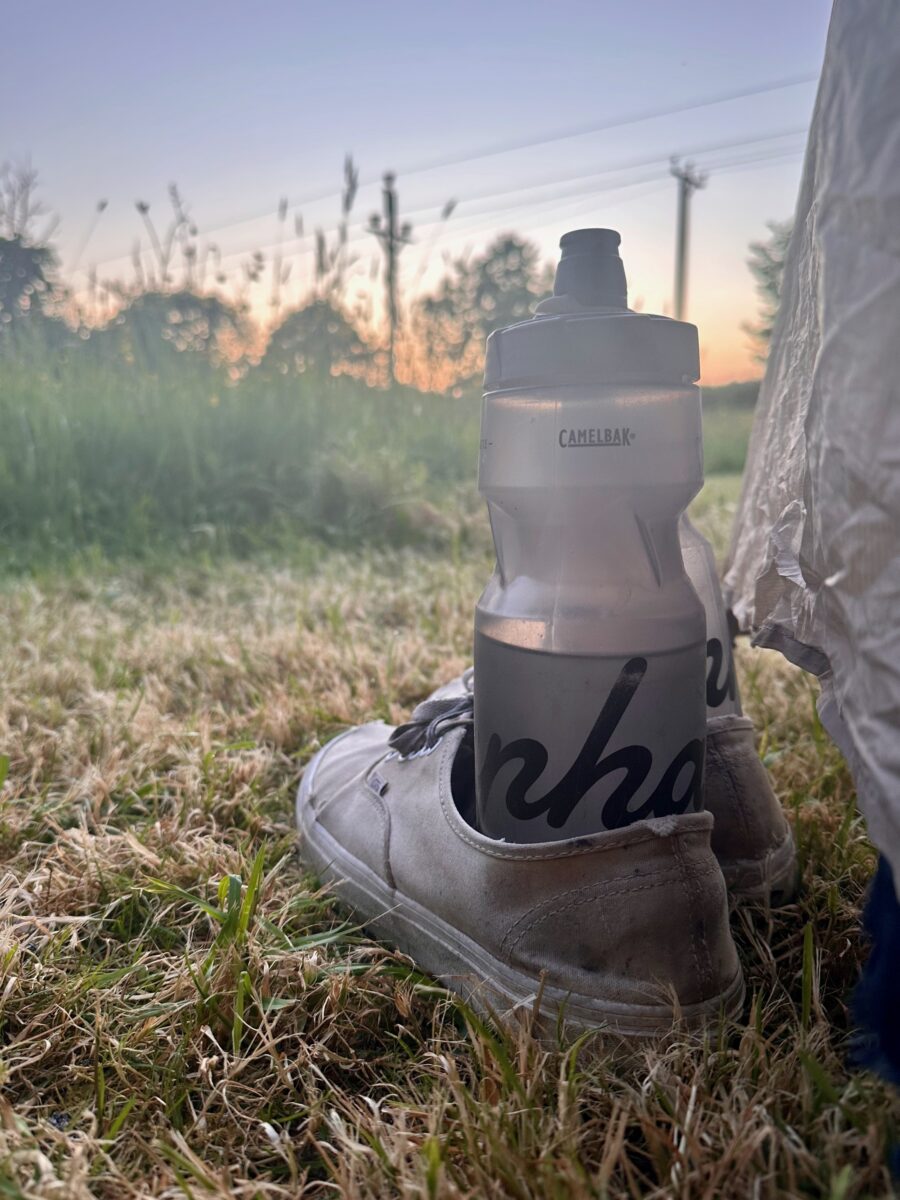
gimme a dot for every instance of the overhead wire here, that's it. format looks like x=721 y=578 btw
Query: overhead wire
x=514 y=145
x=563 y=187
x=562 y=195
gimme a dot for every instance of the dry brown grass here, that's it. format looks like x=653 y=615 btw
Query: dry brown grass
x=185 y=1014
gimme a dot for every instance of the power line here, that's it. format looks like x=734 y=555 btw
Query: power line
x=585 y=204
x=576 y=202
x=360 y=231
x=725 y=166
x=569 y=192
x=508 y=147
x=635 y=118
x=554 y=201
x=556 y=183
x=661 y=177
x=628 y=164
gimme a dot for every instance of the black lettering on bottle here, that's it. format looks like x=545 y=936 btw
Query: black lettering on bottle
x=664 y=802
x=717 y=654
x=590 y=766
x=534 y=759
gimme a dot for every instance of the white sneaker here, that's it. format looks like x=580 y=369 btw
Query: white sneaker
x=627 y=929
x=751 y=837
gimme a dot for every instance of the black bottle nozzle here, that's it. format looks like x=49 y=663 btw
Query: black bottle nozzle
x=590 y=270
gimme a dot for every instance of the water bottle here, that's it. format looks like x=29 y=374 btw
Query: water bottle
x=590 y=642
x=722 y=696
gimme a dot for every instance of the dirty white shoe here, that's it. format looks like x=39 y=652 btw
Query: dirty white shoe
x=751 y=836
x=627 y=929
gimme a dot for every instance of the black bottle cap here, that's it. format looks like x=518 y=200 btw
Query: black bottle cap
x=590 y=270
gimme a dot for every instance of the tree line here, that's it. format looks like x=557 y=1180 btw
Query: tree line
x=176 y=306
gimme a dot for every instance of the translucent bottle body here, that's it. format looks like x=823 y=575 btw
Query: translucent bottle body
x=590 y=641
x=722 y=696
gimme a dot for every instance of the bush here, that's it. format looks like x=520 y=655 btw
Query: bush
x=131 y=462
x=120 y=460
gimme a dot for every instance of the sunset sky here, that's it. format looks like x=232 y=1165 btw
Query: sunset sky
x=241 y=104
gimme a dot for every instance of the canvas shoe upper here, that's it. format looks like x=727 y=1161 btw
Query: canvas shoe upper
x=751 y=836
x=627 y=929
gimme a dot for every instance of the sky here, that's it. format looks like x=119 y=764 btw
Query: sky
x=242 y=104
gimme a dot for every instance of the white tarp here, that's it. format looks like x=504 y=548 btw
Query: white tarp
x=814 y=566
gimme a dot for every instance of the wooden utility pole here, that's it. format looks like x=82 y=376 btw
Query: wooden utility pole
x=393 y=238
x=689 y=180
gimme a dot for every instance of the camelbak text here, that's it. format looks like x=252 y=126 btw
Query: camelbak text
x=621 y=435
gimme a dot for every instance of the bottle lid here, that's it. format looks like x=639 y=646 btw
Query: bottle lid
x=585 y=334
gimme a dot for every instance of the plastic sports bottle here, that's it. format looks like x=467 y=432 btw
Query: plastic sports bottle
x=590 y=642
x=722 y=696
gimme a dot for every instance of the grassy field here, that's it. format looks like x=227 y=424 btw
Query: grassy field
x=105 y=462
x=184 y=1013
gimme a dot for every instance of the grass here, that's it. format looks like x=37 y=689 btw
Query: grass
x=726 y=432
x=184 y=1013
x=98 y=459
x=123 y=464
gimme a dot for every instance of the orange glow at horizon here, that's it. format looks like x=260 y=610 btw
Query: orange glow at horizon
x=727 y=351
x=721 y=304
x=728 y=358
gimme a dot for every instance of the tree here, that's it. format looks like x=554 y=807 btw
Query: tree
x=27 y=260
x=154 y=325
x=317 y=338
x=477 y=296
x=766 y=263
x=25 y=278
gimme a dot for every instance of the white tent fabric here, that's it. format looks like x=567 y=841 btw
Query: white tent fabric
x=814 y=566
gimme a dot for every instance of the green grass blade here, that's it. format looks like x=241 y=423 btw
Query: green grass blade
x=251 y=895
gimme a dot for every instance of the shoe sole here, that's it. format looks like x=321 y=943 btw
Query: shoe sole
x=771 y=880
x=465 y=967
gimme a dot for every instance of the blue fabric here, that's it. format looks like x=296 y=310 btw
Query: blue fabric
x=876 y=1002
